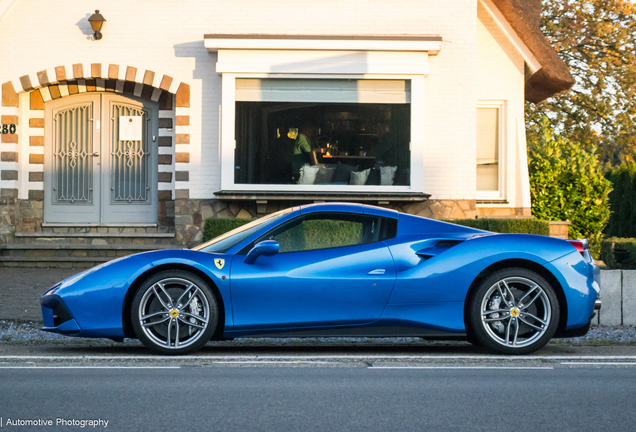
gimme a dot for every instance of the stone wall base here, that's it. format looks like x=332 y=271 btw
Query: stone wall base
x=9 y=209
x=27 y=215
x=504 y=212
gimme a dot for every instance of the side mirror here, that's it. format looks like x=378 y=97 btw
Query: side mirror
x=267 y=248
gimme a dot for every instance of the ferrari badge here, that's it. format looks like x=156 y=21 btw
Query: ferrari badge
x=219 y=263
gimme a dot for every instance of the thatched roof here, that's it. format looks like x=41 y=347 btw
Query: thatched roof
x=554 y=76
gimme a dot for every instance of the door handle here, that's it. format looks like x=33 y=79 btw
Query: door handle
x=96 y=154
x=377 y=272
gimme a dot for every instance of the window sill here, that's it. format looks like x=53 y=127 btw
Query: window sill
x=321 y=196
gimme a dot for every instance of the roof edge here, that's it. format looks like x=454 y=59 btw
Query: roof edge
x=374 y=37
x=512 y=36
x=554 y=76
x=5 y=7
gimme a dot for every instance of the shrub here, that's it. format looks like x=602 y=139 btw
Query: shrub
x=622 y=222
x=215 y=227
x=566 y=183
x=520 y=226
x=622 y=248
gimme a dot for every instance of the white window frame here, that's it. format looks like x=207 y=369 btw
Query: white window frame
x=228 y=139
x=498 y=195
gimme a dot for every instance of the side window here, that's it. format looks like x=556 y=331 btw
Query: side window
x=330 y=230
x=311 y=234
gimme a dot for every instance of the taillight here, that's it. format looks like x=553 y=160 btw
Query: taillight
x=579 y=245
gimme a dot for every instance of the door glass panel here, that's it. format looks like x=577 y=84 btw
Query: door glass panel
x=129 y=179
x=72 y=155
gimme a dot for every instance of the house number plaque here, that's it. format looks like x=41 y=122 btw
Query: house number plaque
x=7 y=129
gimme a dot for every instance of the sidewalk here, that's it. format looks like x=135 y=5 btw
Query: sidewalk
x=20 y=290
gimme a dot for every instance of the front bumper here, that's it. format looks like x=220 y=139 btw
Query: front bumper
x=56 y=317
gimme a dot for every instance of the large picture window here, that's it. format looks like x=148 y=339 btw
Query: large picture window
x=322 y=132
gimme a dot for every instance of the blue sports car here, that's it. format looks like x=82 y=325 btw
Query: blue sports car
x=338 y=270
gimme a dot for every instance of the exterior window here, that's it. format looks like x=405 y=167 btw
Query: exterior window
x=322 y=132
x=330 y=230
x=488 y=151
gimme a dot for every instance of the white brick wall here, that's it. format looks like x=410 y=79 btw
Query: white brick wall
x=500 y=76
x=167 y=37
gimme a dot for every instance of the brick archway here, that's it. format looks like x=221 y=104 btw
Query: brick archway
x=22 y=184
x=141 y=80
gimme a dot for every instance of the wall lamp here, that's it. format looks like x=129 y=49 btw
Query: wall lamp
x=97 y=21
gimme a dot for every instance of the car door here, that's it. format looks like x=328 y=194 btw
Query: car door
x=332 y=269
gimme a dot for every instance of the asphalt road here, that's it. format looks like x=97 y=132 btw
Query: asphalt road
x=318 y=394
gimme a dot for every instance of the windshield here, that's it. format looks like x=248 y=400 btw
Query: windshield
x=227 y=241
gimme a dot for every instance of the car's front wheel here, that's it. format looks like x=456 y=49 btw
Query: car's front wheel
x=174 y=312
x=514 y=311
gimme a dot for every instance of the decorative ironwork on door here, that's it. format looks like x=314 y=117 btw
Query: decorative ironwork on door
x=130 y=171
x=72 y=156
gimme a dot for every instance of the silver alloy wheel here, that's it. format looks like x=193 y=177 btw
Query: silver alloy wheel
x=174 y=313
x=515 y=312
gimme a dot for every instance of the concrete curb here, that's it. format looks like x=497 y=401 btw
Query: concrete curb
x=618 y=293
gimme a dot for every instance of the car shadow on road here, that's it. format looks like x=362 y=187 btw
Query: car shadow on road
x=251 y=348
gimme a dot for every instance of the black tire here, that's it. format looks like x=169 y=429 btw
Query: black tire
x=533 y=323
x=165 y=331
x=470 y=337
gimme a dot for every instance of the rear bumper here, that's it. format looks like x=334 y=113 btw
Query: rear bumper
x=581 y=331
x=580 y=281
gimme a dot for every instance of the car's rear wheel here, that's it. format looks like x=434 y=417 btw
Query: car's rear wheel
x=174 y=312
x=514 y=311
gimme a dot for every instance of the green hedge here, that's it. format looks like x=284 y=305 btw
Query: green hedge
x=215 y=227
x=622 y=222
x=519 y=226
x=627 y=248
x=567 y=184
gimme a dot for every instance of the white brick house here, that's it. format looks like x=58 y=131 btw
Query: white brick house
x=215 y=83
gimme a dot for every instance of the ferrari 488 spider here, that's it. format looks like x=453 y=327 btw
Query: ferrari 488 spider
x=337 y=270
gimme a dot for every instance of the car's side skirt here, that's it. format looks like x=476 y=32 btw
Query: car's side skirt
x=350 y=331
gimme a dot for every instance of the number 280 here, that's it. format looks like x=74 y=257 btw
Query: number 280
x=8 y=129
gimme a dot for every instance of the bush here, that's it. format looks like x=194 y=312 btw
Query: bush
x=519 y=226
x=622 y=222
x=215 y=227
x=567 y=184
x=622 y=248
